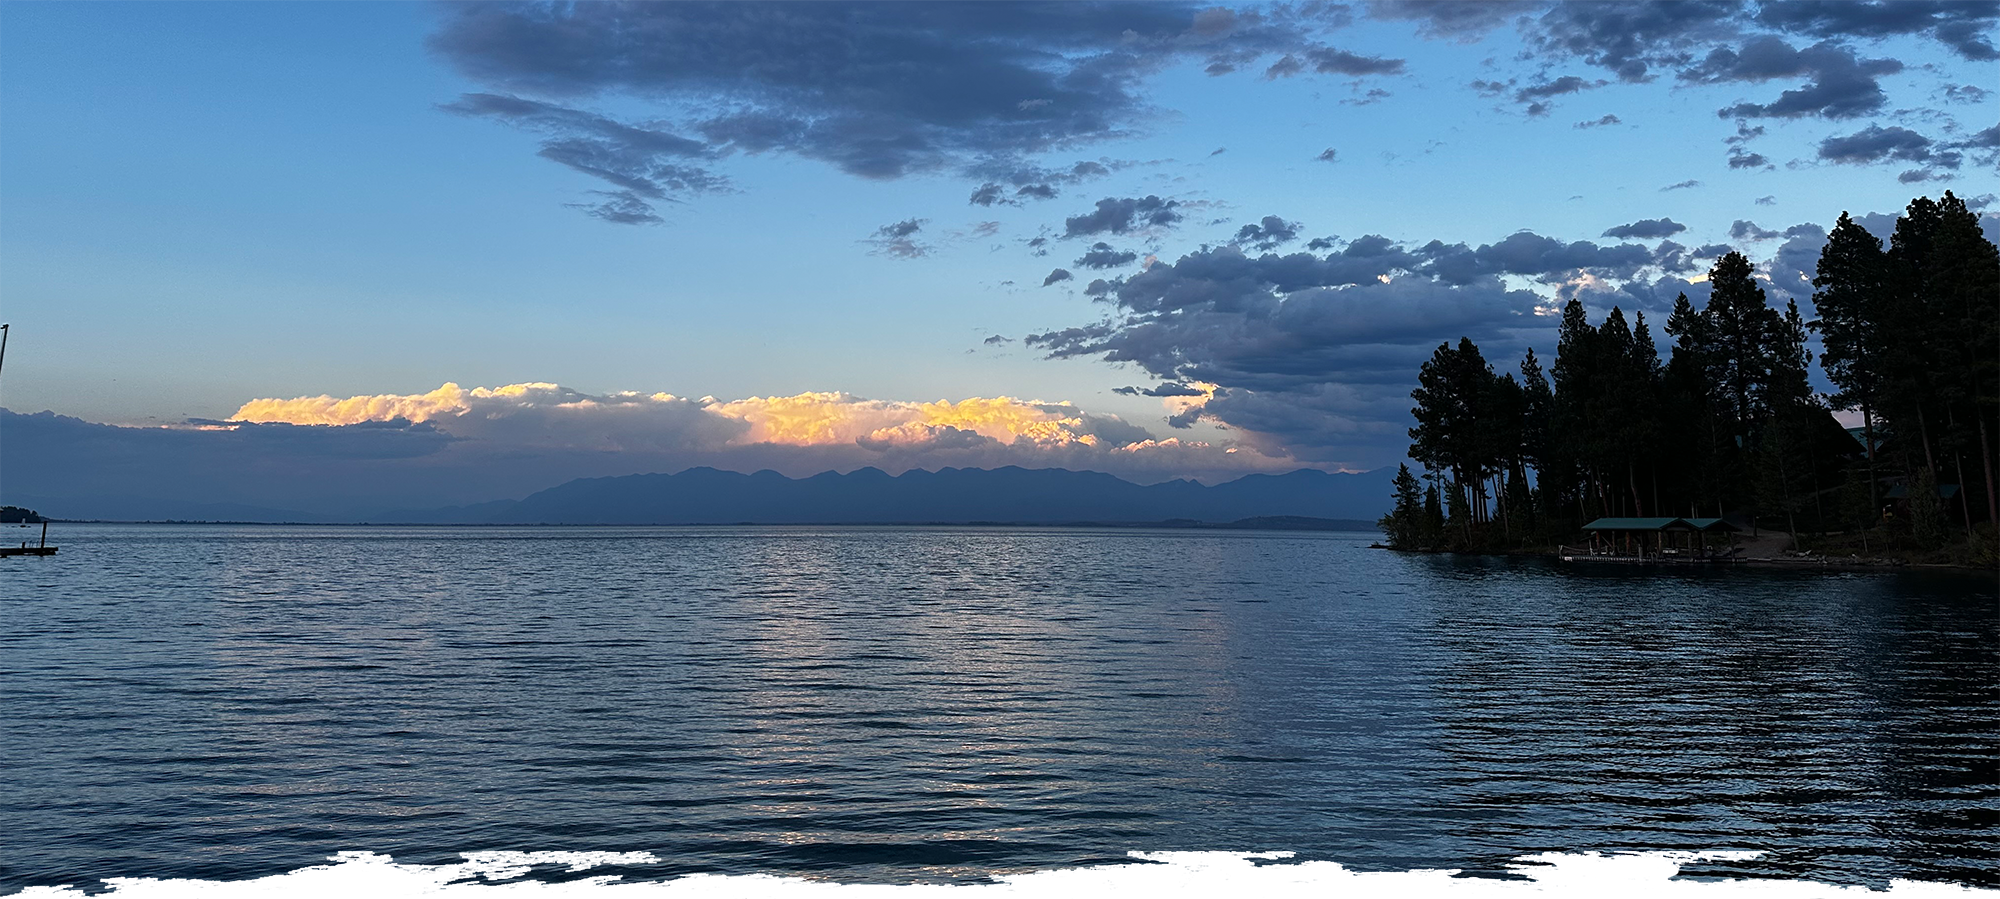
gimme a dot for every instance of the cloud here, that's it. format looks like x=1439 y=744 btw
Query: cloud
x=1465 y=20
x=1120 y=215
x=1266 y=234
x=1842 y=84
x=832 y=82
x=1330 y=61
x=1328 y=155
x=1790 y=272
x=509 y=440
x=1744 y=229
x=1102 y=255
x=1056 y=277
x=1606 y=119
x=1033 y=182
x=1767 y=201
x=1647 y=229
x=1966 y=93
x=1681 y=185
x=1875 y=144
x=360 y=456
x=1164 y=390
x=1987 y=139
x=547 y=415
x=1311 y=354
x=1724 y=41
x=999 y=340
x=899 y=240
x=1567 y=84
x=1740 y=158
x=644 y=165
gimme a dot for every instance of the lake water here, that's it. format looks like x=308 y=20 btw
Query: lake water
x=937 y=704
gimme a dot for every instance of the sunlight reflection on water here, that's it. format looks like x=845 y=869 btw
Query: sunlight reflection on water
x=888 y=705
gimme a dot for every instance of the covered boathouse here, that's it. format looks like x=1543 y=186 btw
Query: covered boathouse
x=1657 y=540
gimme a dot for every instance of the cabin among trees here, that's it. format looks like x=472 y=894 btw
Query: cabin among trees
x=1728 y=426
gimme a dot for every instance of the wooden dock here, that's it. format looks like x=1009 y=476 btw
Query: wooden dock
x=44 y=549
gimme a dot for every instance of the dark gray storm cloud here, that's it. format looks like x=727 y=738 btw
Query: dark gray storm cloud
x=1529 y=254
x=1841 y=84
x=1314 y=351
x=1892 y=144
x=1119 y=215
x=1647 y=229
x=1103 y=255
x=879 y=90
x=1732 y=41
x=1268 y=233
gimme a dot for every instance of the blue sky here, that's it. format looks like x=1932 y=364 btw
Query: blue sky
x=207 y=204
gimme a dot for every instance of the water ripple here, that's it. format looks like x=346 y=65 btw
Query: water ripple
x=943 y=704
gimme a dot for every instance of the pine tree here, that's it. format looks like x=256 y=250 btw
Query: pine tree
x=1693 y=425
x=1575 y=373
x=1404 y=526
x=1451 y=389
x=1852 y=281
x=1962 y=275
x=1741 y=323
x=1909 y=325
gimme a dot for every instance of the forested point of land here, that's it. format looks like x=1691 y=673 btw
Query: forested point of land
x=1729 y=426
x=18 y=515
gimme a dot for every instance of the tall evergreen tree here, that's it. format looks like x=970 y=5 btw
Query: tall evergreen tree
x=1741 y=325
x=1852 y=283
x=1405 y=525
x=1537 y=443
x=1909 y=326
x=1962 y=276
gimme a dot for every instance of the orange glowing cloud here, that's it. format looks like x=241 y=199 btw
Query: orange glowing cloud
x=806 y=419
x=800 y=434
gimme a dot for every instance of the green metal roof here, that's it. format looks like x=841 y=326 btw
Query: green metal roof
x=1632 y=524
x=1660 y=524
x=1711 y=524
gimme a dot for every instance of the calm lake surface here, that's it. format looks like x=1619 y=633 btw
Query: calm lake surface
x=940 y=704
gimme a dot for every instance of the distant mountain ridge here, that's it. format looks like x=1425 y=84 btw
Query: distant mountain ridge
x=950 y=495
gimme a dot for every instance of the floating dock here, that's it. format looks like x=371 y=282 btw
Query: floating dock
x=44 y=549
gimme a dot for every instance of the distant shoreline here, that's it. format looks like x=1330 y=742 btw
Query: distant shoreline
x=1272 y=523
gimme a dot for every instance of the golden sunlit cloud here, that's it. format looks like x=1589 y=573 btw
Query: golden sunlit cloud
x=800 y=435
x=806 y=419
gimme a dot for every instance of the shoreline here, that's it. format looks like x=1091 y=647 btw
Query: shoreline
x=1850 y=564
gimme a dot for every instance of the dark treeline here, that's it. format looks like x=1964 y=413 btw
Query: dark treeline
x=1729 y=426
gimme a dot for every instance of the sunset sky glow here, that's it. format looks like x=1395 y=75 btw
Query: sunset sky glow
x=917 y=233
